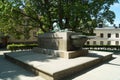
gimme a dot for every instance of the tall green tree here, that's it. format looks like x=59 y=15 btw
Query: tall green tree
x=76 y=15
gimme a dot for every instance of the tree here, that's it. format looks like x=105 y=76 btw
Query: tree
x=76 y=15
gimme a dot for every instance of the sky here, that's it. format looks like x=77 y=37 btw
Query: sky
x=116 y=9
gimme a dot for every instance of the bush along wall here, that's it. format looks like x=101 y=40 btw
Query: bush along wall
x=102 y=47
x=14 y=47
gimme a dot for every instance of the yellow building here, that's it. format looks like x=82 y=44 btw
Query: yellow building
x=105 y=36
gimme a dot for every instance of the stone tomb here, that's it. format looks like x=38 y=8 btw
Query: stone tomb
x=59 y=44
x=63 y=44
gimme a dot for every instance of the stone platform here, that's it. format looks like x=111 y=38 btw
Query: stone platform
x=55 y=68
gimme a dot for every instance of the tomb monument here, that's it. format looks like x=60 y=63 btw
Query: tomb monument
x=62 y=43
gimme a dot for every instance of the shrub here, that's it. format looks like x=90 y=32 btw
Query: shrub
x=14 y=47
x=105 y=47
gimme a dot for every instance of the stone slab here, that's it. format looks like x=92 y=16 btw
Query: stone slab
x=73 y=54
x=55 y=68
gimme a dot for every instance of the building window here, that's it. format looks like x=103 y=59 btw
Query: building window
x=88 y=43
x=109 y=35
x=117 y=42
x=109 y=43
x=101 y=35
x=94 y=42
x=117 y=35
x=101 y=42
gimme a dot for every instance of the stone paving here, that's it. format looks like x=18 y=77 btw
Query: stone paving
x=10 y=71
x=107 y=71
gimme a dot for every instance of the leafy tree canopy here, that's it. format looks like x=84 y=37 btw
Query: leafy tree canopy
x=76 y=15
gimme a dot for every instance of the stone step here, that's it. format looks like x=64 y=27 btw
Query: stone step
x=55 y=68
x=60 y=53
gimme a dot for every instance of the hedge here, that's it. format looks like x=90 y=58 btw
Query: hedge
x=105 y=47
x=14 y=47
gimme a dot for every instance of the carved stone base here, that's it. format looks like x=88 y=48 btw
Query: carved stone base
x=60 y=53
x=74 y=54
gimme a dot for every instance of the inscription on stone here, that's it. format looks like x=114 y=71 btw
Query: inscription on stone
x=51 y=37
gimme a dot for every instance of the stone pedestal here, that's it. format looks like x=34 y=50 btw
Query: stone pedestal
x=59 y=44
x=55 y=41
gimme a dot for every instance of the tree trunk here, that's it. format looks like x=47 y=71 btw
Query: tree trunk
x=60 y=13
x=4 y=41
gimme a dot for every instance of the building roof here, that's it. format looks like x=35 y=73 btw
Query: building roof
x=108 y=29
